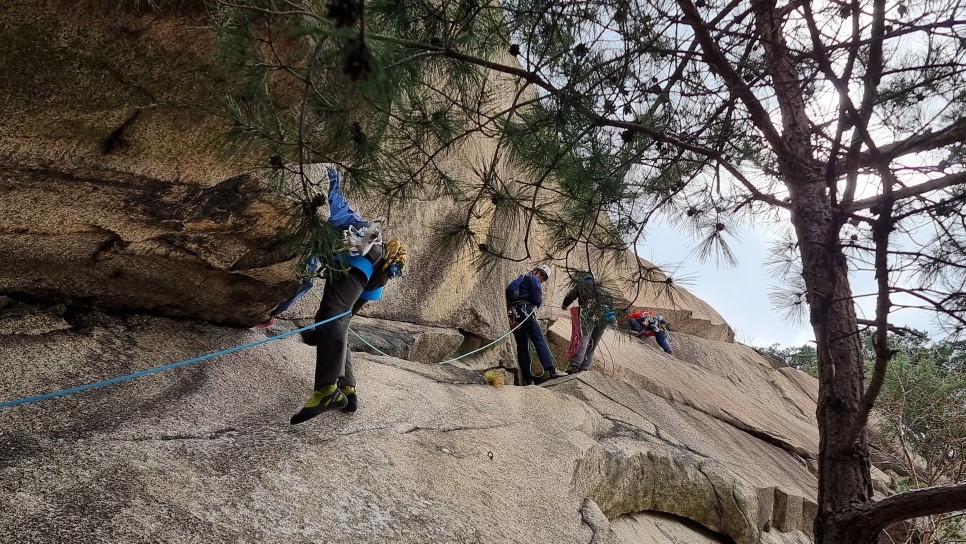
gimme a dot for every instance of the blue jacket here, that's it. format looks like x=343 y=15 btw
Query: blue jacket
x=341 y=215
x=531 y=290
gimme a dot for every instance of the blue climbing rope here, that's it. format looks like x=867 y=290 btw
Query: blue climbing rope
x=453 y=360
x=155 y=370
x=78 y=389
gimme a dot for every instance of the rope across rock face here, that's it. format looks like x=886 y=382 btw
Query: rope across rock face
x=453 y=360
x=155 y=370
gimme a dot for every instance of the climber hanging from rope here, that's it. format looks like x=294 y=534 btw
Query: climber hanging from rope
x=366 y=264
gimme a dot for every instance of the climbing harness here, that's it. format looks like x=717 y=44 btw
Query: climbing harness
x=358 y=241
x=118 y=379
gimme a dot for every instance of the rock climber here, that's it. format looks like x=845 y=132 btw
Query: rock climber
x=644 y=323
x=589 y=319
x=523 y=296
x=365 y=265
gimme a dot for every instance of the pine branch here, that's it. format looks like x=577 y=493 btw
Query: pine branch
x=909 y=504
x=945 y=182
x=953 y=134
x=534 y=78
x=737 y=86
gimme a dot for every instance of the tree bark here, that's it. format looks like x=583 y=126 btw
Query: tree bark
x=844 y=479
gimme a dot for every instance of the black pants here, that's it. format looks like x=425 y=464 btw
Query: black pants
x=529 y=331
x=332 y=358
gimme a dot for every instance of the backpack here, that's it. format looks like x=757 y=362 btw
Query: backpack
x=637 y=314
x=513 y=290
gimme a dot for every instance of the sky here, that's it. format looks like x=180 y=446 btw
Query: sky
x=740 y=294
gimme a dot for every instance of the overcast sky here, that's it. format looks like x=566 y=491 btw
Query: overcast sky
x=740 y=294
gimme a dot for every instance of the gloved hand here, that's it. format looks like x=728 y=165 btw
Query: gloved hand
x=395 y=258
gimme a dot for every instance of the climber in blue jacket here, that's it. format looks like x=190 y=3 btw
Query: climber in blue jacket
x=368 y=264
x=523 y=296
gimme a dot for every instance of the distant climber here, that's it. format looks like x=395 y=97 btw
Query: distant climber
x=589 y=320
x=367 y=265
x=523 y=296
x=644 y=323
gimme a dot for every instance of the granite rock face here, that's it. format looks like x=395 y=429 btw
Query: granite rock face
x=115 y=193
x=205 y=453
x=135 y=244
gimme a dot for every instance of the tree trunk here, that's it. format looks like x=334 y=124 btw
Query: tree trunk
x=844 y=478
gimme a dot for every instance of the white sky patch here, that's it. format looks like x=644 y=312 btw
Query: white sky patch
x=740 y=294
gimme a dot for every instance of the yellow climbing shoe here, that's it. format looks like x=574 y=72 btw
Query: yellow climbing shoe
x=353 y=401
x=323 y=400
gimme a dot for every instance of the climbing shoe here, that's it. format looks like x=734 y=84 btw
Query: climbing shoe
x=352 y=403
x=323 y=400
x=548 y=374
x=572 y=369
